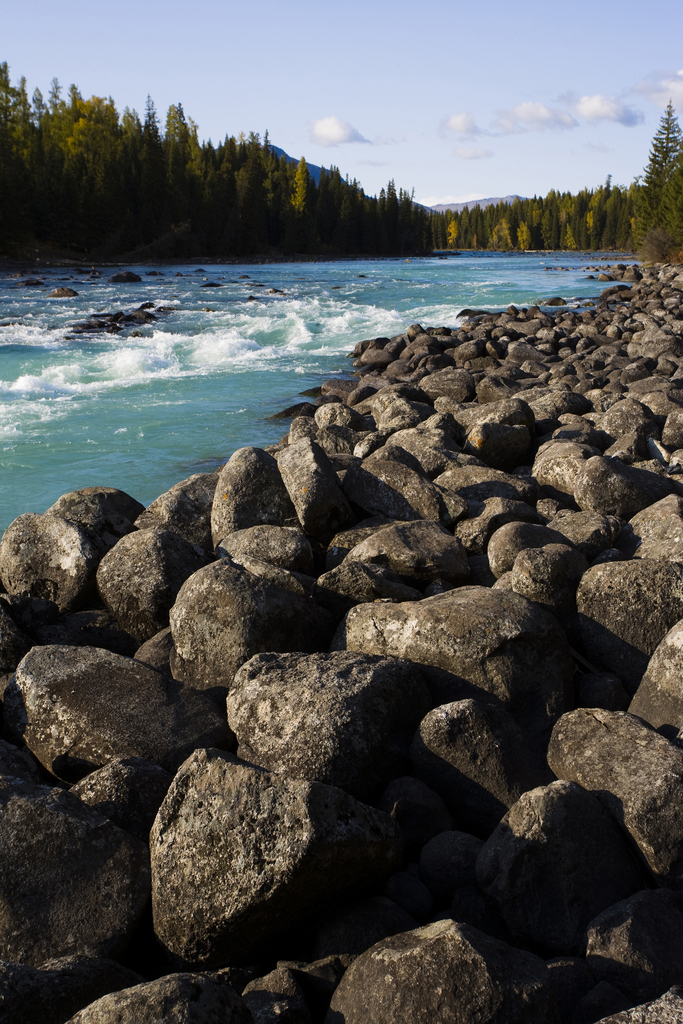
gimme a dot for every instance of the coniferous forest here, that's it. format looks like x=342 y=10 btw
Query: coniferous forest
x=77 y=175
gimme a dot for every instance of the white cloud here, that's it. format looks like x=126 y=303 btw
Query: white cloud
x=461 y=124
x=332 y=131
x=662 y=86
x=472 y=153
x=597 y=147
x=606 y=108
x=529 y=117
x=447 y=200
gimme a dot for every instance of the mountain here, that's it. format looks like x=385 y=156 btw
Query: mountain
x=313 y=170
x=483 y=203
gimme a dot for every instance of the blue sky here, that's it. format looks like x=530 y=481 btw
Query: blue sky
x=456 y=100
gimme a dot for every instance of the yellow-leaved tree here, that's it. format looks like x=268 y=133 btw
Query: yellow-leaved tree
x=523 y=236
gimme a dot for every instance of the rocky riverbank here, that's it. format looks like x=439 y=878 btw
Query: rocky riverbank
x=382 y=723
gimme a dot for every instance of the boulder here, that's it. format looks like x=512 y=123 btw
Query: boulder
x=601 y=690
x=453 y=382
x=240 y=855
x=389 y=488
x=343 y=719
x=591 y=533
x=489 y=515
x=447 y=863
x=157 y=652
x=444 y=972
x=104 y=513
x=474 y=642
x=225 y=614
x=625 y=610
x=668 y=1009
x=139 y=579
x=628 y=415
x=128 y=791
x=48 y=557
x=355 y=583
x=549 y=576
x=637 y=775
x=62 y=293
x=339 y=415
x=405 y=889
x=637 y=944
x=353 y=929
x=279 y=545
x=277 y=997
x=555 y=861
x=95 y=628
x=417 y=552
x=125 y=277
x=70 y=881
x=659 y=697
x=656 y=532
x=557 y=466
x=433 y=448
x=58 y=988
x=185 y=998
x=476 y=483
x=314 y=490
x=249 y=492
x=342 y=542
x=498 y=444
x=475 y=757
x=18 y=762
x=77 y=708
x=608 y=486
x=508 y=540
x=14 y=643
x=185 y=509
x=418 y=810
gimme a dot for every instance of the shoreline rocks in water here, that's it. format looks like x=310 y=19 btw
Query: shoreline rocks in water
x=379 y=723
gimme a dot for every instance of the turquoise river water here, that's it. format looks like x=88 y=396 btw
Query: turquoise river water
x=142 y=413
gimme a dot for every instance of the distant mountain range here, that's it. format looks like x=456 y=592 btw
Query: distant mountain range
x=483 y=203
x=312 y=169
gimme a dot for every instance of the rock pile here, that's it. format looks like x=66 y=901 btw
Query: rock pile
x=381 y=723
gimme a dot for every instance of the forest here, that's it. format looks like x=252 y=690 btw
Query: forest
x=76 y=175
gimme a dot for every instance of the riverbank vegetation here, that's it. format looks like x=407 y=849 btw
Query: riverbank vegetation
x=77 y=175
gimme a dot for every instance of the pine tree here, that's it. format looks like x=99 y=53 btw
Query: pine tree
x=666 y=148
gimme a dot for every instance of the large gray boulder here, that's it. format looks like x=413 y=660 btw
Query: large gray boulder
x=185 y=509
x=475 y=757
x=174 y=999
x=609 y=486
x=139 y=578
x=239 y=855
x=77 y=708
x=48 y=557
x=353 y=928
x=58 y=988
x=104 y=513
x=249 y=492
x=420 y=812
x=444 y=972
x=556 y=860
x=344 y=719
x=508 y=540
x=659 y=697
x=128 y=790
x=668 y=1009
x=314 y=490
x=355 y=583
x=657 y=531
x=70 y=881
x=383 y=486
x=279 y=545
x=277 y=997
x=447 y=862
x=549 y=576
x=637 y=944
x=476 y=483
x=474 y=642
x=224 y=614
x=625 y=610
x=489 y=515
x=590 y=532
x=635 y=772
x=557 y=465
x=417 y=552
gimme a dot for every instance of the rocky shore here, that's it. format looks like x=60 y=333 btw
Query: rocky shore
x=382 y=724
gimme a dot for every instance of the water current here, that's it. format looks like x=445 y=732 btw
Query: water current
x=143 y=412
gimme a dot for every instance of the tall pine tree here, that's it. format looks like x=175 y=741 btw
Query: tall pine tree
x=666 y=148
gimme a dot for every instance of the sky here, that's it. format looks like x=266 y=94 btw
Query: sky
x=455 y=100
